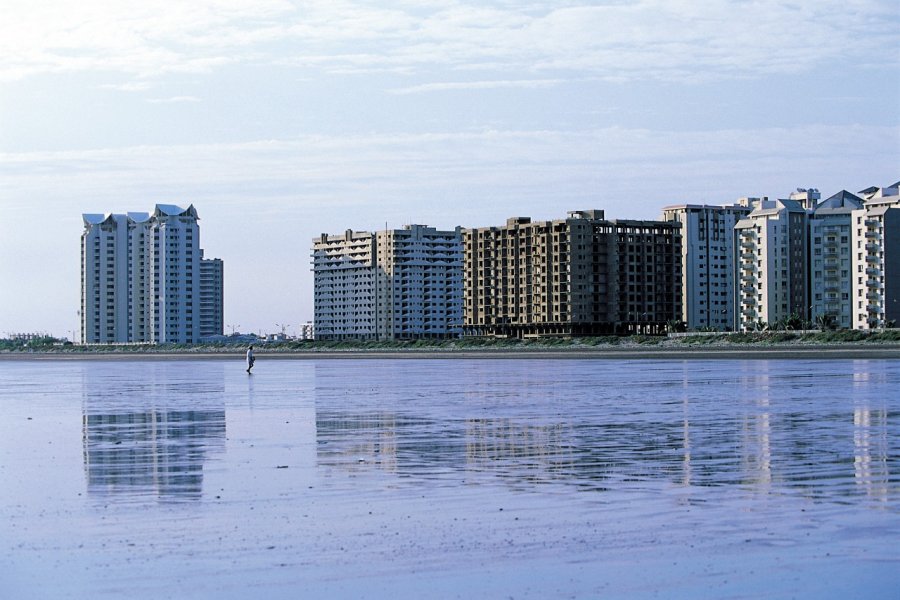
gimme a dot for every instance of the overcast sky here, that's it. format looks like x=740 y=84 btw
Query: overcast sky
x=279 y=120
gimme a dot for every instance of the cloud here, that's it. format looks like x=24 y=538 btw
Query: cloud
x=477 y=85
x=639 y=39
x=173 y=100
x=633 y=170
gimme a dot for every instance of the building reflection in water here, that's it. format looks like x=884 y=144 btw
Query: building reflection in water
x=150 y=434
x=870 y=439
x=759 y=425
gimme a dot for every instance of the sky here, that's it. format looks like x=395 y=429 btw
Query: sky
x=280 y=120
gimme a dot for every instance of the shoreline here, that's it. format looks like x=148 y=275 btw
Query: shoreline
x=847 y=351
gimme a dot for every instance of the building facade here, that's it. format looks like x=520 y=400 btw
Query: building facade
x=876 y=259
x=583 y=275
x=708 y=262
x=140 y=277
x=772 y=245
x=831 y=273
x=212 y=294
x=399 y=284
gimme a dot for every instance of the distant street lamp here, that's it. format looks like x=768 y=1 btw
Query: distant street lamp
x=232 y=328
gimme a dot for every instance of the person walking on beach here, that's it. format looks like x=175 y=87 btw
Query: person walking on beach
x=250 y=358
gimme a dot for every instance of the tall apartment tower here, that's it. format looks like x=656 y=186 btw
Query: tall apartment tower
x=393 y=284
x=212 y=293
x=344 y=273
x=708 y=261
x=140 y=277
x=772 y=244
x=114 y=290
x=831 y=248
x=582 y=275
x=876 y=259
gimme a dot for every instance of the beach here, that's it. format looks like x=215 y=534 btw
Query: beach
x=846 y=351
x=377 y=477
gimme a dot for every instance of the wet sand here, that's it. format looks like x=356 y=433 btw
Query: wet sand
x=408 y=479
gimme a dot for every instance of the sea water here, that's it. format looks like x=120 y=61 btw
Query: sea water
x=443 y=478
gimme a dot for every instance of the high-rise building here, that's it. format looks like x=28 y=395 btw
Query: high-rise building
x=876 y=259
x=140 y=277
x=583 y=275
x=772 y=244
x=708 y=262
x=212 y=293
x=831 y=247
x=393 y=284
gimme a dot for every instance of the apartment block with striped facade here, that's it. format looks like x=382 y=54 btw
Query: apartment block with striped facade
x=398 y=284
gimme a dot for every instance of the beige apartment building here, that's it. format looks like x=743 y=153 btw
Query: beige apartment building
x=876 y=259
x=772 y=245
x=583 y=275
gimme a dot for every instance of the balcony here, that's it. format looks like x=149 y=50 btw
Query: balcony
x=872 y=234
x=874 y=295
x=830 y=243
x=748 y=244
x=873 y=308
x=873 y=258
x=873 y=271
x=748 y=301
x=873 y=247
x=748 y=256
x=749 y=312
x=873 y=283
x=872 y=222
x=748 y=289
x=748 y=278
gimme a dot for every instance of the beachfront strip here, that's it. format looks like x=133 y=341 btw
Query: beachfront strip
x=834 y=263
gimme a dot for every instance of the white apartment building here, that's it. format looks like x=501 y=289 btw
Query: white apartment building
x=708 y=261
x=831 y=273
x=393 y=284
x=112 y=290
x=140 y=277
x=772 y=246
x=344 y=274
x=876 y=259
